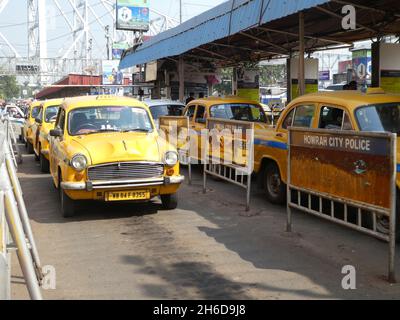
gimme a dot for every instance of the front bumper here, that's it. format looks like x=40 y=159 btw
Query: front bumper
x=102 y=185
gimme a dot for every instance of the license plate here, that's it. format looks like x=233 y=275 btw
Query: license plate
x=128 y=195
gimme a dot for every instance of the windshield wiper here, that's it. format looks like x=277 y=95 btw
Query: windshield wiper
x=136 y=130
x=104 y=130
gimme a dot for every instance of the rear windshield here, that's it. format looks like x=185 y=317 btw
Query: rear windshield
x=379 y=117
x=166 y=110
x=238 y=111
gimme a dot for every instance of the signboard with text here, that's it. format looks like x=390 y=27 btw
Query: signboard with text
x=347 y=165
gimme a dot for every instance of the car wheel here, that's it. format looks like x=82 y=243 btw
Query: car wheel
x=169 y=202
x=274 y=187
x=382 y=223
x=44 y=164
x=30 y=148
x=68 y=206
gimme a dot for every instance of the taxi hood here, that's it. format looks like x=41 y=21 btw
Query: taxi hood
x=120 y=147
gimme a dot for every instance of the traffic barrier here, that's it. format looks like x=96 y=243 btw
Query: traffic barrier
x=176 y=130
x=228 y=153
x=16 y=223
x=345 y=177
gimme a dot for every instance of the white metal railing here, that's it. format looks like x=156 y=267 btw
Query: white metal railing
x=14 y=220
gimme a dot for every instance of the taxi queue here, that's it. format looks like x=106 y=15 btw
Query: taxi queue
x=107 y=148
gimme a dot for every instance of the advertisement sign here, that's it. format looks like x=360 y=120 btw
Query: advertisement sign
x=362 y=64
x=390 y=67
x=117 y=50
x=324 y=75
x=311 y=70
x=248 y=82
x=133 y=15
x=111 y=74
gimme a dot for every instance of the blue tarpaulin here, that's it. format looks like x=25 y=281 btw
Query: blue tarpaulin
x=220 y=22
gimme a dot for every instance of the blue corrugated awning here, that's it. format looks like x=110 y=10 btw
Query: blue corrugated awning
x=220 y=22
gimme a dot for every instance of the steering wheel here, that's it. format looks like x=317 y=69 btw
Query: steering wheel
x=86 y=126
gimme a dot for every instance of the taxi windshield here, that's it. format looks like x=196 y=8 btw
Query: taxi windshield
x=379 y=117
x=93 y=120
x=51 y=114
x=238 y=111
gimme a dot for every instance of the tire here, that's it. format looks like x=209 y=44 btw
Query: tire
x=169 y=202
x=30 y=148
x=383 y=222
x=274 y=188
x=44 y=164
x=68 y=206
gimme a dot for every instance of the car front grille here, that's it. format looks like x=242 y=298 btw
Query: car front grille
x=125 y=171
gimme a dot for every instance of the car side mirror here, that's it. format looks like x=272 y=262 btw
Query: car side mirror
x=56 y=133
x=38 y=121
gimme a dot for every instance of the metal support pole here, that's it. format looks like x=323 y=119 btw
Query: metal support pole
x=392 y=218
x=181 y=68
x=17 y=232
x=289 y=193
x=23 y=213
x=5 y=275
x=302 y=82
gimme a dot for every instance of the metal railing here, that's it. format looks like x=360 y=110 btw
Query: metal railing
x=14 y=221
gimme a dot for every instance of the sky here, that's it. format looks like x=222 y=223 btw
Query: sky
x=13 y=22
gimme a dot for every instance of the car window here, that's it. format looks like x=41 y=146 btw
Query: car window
x=304 y=116
x=51 y=113
x=35 y=112
x=92 y=120
x=190 y=111
x=238 y=111
x=288 y=122
x=60 y=123
x=331 y=118
x=200 y=114
x=379 y=117
x=347 y=123
x=166 y=110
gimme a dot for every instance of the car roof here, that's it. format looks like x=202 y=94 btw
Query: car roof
x=102 y=100
x=162 y=102
x=220 y=100
x=52 y=102
x=350 y=99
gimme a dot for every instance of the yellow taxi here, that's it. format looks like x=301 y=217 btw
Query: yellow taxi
x=341 y=110
x=33 y=112
x=44 y=122
x=225 y=108
x=107 y=148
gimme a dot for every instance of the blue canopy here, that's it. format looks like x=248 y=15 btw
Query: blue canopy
x=227 y=19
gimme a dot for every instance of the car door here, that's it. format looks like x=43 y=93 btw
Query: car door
x=56 y=150
x=302 y=115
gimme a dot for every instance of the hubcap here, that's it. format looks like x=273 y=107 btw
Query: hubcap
x=274 y=183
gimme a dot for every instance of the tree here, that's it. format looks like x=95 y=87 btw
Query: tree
x=9 y=87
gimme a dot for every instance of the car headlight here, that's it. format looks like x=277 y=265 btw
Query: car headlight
x=79 y=162
x=171 y=158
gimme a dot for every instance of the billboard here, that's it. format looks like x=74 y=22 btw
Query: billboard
x=248 y=83
x=362 y=64
x=133 y=15
x=111 y=73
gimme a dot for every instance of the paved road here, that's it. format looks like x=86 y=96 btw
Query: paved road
x=206 y=249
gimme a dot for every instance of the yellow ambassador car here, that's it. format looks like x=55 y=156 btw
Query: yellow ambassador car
x=107 y=148
x=44 y=122
x=227 y=108
x=29 y=122
x=340 y=110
